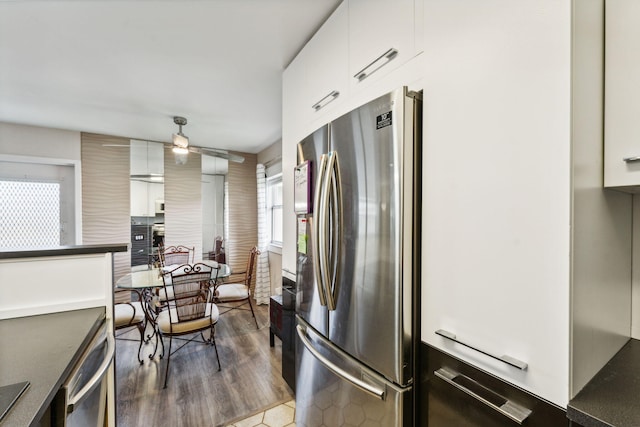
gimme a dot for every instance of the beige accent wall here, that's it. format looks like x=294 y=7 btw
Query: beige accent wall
x=105 y=196
x=183 y=202
x=243 y=211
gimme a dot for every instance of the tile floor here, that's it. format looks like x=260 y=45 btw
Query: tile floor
x=279 y=416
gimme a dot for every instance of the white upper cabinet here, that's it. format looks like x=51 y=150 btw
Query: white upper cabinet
x=622 y=95
x=382 y=37
x=294 y=103
x=327 y=56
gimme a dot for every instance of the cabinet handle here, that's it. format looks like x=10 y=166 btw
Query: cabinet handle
x=378 y=63
x=324 y=101
x=512 y=361
x=631 y=159
x=506 y=407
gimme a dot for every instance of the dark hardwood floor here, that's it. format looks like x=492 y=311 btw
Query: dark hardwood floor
x=197 y=394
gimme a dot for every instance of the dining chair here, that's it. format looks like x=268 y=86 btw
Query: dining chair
x=128 y=314
x=176 y=255
x=240 y=291
x=171 y=257
x=189 y=309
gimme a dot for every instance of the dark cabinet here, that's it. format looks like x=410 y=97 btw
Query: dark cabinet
x=288 y=333
x=454 y=393
x=275 y=318
x=282 y=325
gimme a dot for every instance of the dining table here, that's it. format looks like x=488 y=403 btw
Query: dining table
x=147 y=282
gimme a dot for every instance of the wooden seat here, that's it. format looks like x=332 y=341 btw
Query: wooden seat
x=239 y=291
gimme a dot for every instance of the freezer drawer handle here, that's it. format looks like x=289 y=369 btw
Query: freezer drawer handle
x=97 y=377
x=376 y=64
x=512 y=361
x=366 y=387
x=326 y=100
x=631 y=159
x=506 y=407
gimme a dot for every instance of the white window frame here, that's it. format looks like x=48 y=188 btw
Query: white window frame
x=277 y=178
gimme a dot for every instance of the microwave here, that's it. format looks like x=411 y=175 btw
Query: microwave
x=159 y=206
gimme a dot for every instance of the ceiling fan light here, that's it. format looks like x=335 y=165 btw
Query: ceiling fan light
x=180 y=150
x=181 y=141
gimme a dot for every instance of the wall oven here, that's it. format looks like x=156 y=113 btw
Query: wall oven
x=82 y=399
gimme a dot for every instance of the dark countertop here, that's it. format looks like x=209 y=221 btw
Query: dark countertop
x=42 y=349
x=63 y=250
x=612 y=397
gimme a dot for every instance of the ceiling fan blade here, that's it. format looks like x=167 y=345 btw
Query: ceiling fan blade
x=217 y=153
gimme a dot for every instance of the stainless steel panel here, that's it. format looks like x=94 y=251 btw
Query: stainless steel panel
x=308 y=303
x=324 y=398
x=372 y=318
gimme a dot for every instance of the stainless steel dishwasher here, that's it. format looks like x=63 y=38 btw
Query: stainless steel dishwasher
x=83 y=397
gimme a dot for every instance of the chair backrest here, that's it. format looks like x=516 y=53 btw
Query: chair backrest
x=190 y=291
x=217 y=248
x=251 y=262
x=176 y=255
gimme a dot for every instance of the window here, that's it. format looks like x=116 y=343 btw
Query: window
x=30 y=213
x=37 y=204
x=274 y=209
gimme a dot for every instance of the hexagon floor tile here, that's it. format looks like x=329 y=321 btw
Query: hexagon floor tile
x=279 y=416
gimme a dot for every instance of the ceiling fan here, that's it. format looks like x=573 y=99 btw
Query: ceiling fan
x=180 y=146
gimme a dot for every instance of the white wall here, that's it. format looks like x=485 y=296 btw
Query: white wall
x=23 y=140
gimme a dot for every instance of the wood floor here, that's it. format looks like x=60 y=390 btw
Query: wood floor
x=197 y=394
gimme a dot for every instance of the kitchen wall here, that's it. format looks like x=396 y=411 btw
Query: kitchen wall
x=105 y=196
x=243 y=211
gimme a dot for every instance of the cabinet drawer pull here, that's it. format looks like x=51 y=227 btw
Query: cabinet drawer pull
x=376 y=64
x=506 y=407
x=631 y=159
x=324 y=101
x=512 y=361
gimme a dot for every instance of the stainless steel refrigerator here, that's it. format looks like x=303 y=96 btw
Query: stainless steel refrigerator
x=357 y=199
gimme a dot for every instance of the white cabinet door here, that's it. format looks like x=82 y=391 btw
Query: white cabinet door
x=496 y=186
x=327 y=65
x=622 y=94
x=139 y=198
x=381 y=38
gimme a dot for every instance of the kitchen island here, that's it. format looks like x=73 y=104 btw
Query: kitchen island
x=45 y=294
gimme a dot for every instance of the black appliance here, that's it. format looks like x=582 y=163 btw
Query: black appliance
x=288 y=332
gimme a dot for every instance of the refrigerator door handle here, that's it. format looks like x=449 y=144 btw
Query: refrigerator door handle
x=357 y=382
x=334 y=208
x=317 y=231
x=324 y=225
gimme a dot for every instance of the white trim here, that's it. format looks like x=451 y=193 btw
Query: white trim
x=275 y=248
x=77 y=176
x=51 y=308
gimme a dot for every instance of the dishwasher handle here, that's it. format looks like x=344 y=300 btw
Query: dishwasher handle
x=77 y=398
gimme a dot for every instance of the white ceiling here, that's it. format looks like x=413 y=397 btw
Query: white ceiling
x=126 y=67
